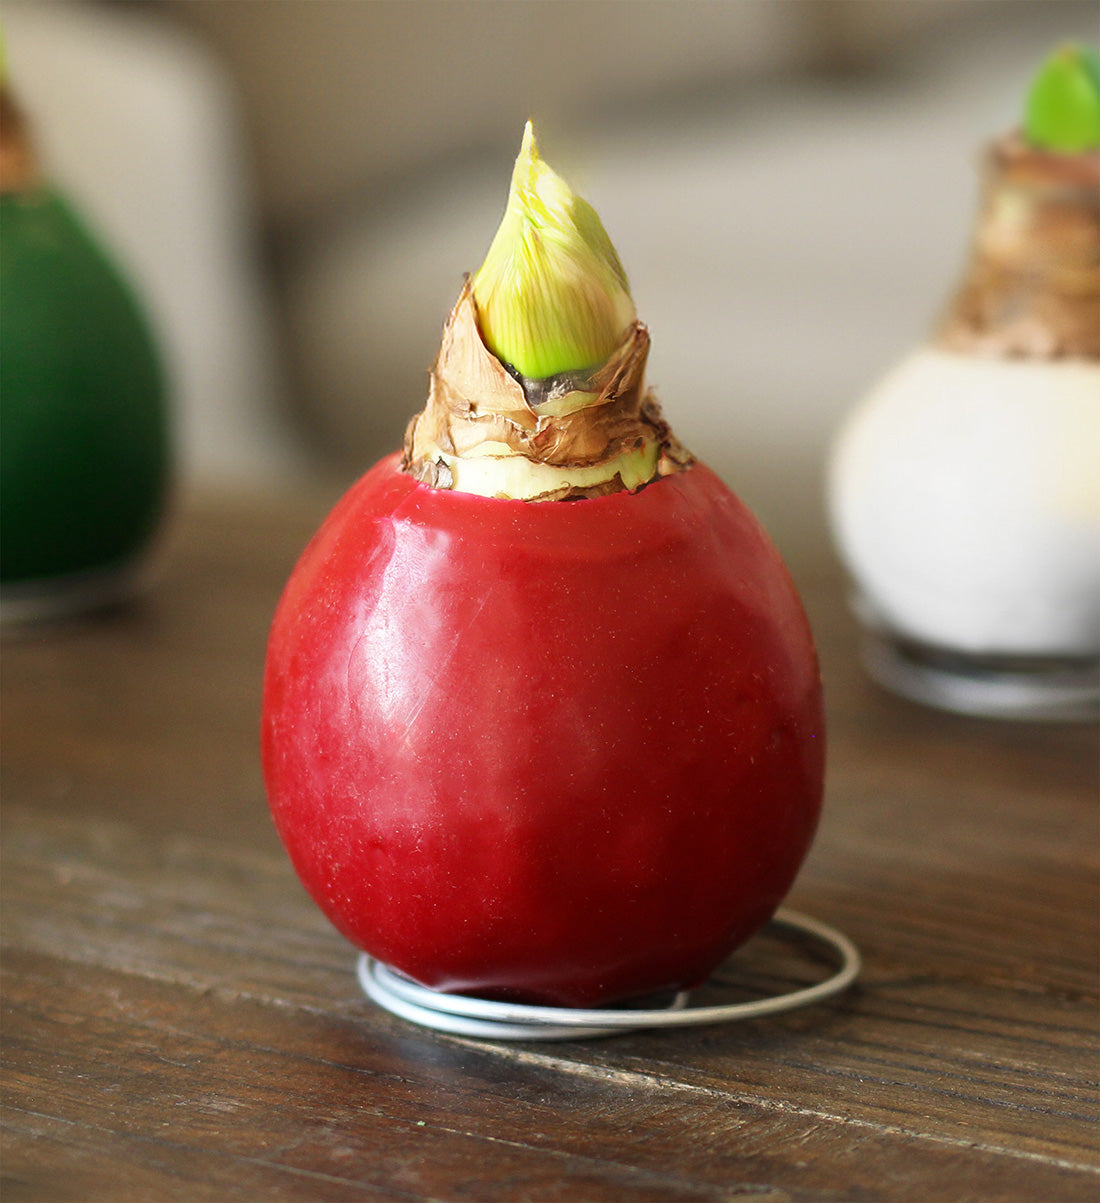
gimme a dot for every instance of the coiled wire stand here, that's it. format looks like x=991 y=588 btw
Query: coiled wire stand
x=464 y=1016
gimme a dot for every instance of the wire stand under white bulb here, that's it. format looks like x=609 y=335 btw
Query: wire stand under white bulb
x=464 y=1016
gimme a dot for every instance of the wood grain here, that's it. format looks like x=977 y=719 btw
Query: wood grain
x=179 y=1022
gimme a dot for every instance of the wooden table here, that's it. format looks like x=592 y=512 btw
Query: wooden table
x=181 y=1023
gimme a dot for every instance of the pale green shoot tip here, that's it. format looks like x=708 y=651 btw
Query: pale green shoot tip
x=1062 y=111
x=551 y=295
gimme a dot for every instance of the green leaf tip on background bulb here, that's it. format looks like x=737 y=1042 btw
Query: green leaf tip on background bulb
x=551 y=295
x=1062 y=112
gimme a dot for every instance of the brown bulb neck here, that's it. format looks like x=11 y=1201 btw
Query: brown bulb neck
x=485 y=431
x=18 y=162
x=1032 y=287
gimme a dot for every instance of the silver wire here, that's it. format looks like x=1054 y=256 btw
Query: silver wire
x=464 y=1016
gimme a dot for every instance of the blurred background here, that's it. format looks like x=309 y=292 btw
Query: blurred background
x=297 y=186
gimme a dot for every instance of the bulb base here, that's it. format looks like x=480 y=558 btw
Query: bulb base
x=1022 y=688
x=25 y=604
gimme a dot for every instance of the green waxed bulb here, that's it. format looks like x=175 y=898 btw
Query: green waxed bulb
x=83 y=416
x=1062 y=112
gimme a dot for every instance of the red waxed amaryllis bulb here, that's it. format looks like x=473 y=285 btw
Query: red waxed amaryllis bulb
x=542 y=713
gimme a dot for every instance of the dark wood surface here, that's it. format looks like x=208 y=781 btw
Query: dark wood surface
x=179 y=1022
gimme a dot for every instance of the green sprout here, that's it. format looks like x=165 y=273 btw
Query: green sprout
x=551 y=295
x=1062 y=112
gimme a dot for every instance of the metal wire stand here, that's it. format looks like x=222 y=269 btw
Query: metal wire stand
x=465 y=1016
